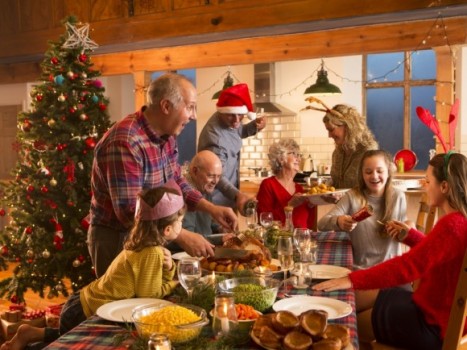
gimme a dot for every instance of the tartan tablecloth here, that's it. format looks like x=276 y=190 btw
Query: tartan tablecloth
x=334 y=248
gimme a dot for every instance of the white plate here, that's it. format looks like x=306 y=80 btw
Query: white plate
x=180 y=255
x=121 y=310
x=327 y=271
x=324 y=198
x=257 y=341
x=301 y=303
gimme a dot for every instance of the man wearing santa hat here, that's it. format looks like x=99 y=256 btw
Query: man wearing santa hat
x=223 y=134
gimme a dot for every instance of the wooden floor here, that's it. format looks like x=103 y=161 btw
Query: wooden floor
x=33 y=300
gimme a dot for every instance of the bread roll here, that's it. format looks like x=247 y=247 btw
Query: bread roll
x=296 y=340
x=338 y=331
x=328 y=344
x=285 y=321
x=314 y=322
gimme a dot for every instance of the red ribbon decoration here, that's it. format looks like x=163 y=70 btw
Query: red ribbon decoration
x=69 y=170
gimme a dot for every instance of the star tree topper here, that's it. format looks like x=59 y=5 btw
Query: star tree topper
x=79 y=37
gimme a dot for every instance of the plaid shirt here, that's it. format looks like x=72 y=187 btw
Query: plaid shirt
x=131 y=157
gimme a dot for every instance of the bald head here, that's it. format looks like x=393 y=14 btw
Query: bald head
x=205 y=171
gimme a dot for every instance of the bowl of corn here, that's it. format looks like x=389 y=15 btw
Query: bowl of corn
x=181 y=323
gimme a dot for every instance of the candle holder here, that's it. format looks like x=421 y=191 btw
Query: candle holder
x=158 y=341
x=224 y=322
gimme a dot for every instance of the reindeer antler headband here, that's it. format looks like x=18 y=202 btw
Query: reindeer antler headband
x=326 y=109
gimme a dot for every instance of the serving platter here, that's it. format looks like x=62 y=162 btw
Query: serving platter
x=301 y=303
x=325 y=198
x=121 y=310
x=258 y=342
x=273 y=262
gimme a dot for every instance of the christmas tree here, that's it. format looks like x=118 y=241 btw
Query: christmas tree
x=49 y=199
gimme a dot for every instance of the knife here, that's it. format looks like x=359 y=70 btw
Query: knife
x=222 y=252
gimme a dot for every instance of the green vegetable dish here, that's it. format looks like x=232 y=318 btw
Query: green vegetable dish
x=259 y=297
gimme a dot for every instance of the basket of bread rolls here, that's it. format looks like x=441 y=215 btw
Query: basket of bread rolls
x=309 y=331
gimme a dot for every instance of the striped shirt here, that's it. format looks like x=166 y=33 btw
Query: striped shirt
x=131 y=157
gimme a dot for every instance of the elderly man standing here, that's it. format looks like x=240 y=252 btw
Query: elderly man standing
x=223 y=134
x=139 y=152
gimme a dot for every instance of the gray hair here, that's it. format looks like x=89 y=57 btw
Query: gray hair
x=169 y=87
x=277 y=153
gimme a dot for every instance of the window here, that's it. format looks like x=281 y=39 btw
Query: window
x=396 y=84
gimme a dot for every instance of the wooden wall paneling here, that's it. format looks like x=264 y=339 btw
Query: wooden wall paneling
x=8 y=18
x=142 y=80
x=35 y=15
x=444 y=91
x=8 y=128
x=102 y=10
x=81 y=9
x=185 y=4
x=145 y=7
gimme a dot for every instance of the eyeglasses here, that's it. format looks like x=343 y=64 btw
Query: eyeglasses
x=447 y=156
x=295 y=154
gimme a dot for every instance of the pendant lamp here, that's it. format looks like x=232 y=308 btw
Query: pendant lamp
x=322 y=87
x=228 y=82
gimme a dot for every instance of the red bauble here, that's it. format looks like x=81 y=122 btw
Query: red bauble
x=90 y=142
x=102 y=107
x=14 y=299
x=82 y=58
x=54 y=60
x=2 y=212
x=30 y=188
x=39 y=97
x=26 y=126
x=81 y=258
x=4 y=250
x=72 y=110
x=28 y=230
x=40 y=145
x=44 y=189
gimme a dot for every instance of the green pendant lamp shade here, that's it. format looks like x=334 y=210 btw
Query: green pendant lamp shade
x=322 y=87
x=228 y=82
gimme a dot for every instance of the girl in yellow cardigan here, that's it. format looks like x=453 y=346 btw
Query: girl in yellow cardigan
x=144 y=269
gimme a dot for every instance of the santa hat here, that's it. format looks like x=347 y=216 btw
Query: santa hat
x=236 y=100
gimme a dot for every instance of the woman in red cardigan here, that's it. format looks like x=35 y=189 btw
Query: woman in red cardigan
x=418 y=319
x=277 y=191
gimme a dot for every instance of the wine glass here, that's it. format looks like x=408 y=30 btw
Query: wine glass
x=189 y=272
x=266 y=219
x=302 y=240
x=251 y=218
x=285 y=253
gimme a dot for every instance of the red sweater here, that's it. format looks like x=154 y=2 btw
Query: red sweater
x=273 y=197
x=435 y=259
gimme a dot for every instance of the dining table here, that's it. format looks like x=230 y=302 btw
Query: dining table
x=334 y=248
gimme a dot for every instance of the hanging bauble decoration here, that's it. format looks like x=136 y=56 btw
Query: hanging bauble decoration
x=30 y=253
x=61 y=146
x=26 y=126
x=82 y=57
x=76 y=263
x=95 y=99
x=102 y=107
x=72 y=109
x=84 y=75
x=53 y=182
x=51 y=123
x=85 y=222
x=28 y=230
x=4 y=250
x=46 y=254
x=44 y=189
x=58 y=234
x=90 y=142
x=59 y=79
x=80 y=165
x=61 y=98
x=30 y=188
x=39 y=97
x=14 y=299
x=97 y=83
x=70 y=203
x=70 y=75
x=83 y=117
x=39 y=145
x=54 y=60
x=2 y=212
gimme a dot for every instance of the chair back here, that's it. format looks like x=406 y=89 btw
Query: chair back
x=426 y=215
x=454 y=339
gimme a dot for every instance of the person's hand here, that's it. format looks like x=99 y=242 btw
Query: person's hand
x=225 y=216
x=297 y=199
x=241 y=200
x=332 y=198
x=194 y=244
x=228 y=236
x=397 y=230
x=346 y=223
x=168 y=262
x=260 y=123
x=334 y=284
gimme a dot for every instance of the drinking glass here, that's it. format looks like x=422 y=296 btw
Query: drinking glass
x=285 y=253
x=189 y=272
x=251 y=218
x=266 y=219
x=302 y=240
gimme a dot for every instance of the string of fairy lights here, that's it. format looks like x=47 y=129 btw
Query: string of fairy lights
x=438 y=24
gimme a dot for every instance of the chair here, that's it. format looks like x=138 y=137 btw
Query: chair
x=426 y=215
x=454 y=339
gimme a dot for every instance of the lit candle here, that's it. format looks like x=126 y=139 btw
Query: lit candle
x=212 y=280
x=224 y=319
x=159 y=342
